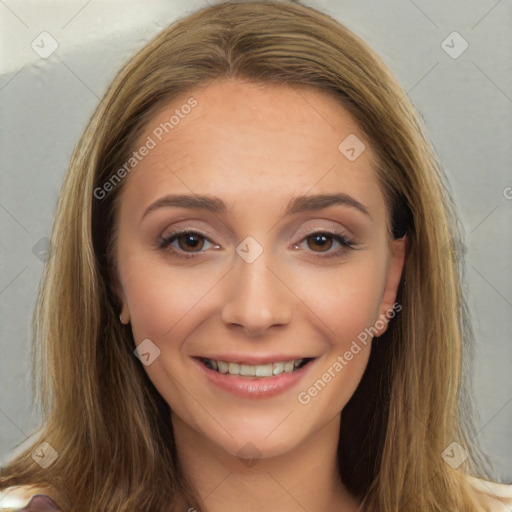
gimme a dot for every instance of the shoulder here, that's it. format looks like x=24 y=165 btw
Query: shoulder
x=495 y=496
x=25 y=498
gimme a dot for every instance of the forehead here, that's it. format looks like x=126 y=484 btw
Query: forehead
x=247 y=138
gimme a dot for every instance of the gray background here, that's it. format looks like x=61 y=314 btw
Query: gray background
x=466 y=103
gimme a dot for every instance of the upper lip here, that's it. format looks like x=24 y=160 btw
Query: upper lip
x=253 y=359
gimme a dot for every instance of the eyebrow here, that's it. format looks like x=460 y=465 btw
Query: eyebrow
x=295 y=205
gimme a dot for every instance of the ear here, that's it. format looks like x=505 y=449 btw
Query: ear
x=119 y=296
x=124 y=316
x=396 y=262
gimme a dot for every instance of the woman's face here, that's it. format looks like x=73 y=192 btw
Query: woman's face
x=285 y=260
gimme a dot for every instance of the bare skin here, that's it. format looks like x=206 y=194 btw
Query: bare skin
x=256 y=147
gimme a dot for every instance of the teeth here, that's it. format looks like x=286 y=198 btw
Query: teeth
x=233 y=368
x=249 y=370
x=222 y=366
x=264 y=370
x=278 y=368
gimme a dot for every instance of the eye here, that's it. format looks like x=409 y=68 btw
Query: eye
x=185 y=240
x=322 y=241
x=189 y=244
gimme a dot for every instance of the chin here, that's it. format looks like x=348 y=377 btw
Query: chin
x=260 y=438
x=251 y=449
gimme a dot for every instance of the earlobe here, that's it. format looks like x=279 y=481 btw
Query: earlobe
x=388 y=306
x=124 y=316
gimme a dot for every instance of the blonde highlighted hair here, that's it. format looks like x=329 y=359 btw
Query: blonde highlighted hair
x=103 y=416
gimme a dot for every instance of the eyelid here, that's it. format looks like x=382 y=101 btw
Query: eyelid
x=332 y=230
x=184 y=231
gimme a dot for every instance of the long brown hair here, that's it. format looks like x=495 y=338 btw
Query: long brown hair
x=109 y=425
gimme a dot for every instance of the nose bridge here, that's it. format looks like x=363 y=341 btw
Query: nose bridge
x=256 y=298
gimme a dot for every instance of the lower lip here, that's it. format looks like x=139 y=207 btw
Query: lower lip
x=254 y=387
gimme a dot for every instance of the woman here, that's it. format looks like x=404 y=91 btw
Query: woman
x=251 y=304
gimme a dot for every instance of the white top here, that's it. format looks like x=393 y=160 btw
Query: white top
x=497 y=497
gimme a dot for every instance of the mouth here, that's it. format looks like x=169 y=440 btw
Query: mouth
x=262 y=371
x=255 y=376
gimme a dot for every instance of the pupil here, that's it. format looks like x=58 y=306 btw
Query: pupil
x=192 y=241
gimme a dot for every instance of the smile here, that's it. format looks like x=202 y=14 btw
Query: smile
x=265 y=378
x=249 y=370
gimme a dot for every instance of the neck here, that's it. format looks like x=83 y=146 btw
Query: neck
x=305 y=478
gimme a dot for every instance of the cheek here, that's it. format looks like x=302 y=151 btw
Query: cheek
x=345 y=300
x=162 y=299
x=344 y=305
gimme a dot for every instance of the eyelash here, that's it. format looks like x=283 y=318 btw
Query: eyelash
x=164 y=243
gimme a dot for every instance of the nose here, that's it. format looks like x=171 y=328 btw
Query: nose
x=257 y=298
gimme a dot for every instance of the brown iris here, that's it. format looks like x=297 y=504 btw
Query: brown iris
x=323 y=241
x=194 y=241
